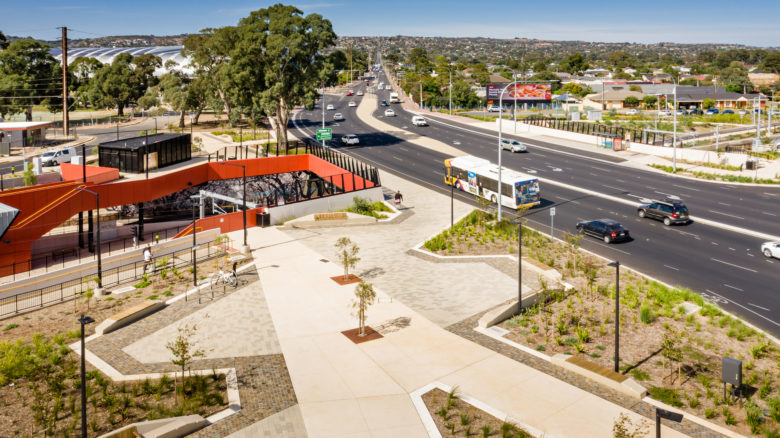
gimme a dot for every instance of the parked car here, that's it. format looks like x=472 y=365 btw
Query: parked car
x=349 y=93
x=338 y=116
x=55 y=157
x=350 y=139
x=664 y=113
x=389 y=113
x=494 y=109
x=329 y=107
x=608 y=230
x=681 y=112
x=695 y=111
x=670 y=211
x=352 y=103
x=419 y=121
x=513 y=145
x=383 y=103
x=742 y=112
x=728 y=112
x=771 y=249
x=359 y=93
x=712 y=111
x=633 y=112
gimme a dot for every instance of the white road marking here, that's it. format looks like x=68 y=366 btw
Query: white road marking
x=733 y=287
x=397 y=158
x=714 y=243
x=756 y=305
x=768 y=214
x=725 y=214
x=723 y=203
x=732 y=249
x=731 y=264
x=616 y=188
x=721 y=298
x=671 y=267
x=686 y=188
x=619 y=180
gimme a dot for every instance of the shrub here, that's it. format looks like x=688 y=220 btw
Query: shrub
x=753 y=416
x=646 y=313
x=667 y=395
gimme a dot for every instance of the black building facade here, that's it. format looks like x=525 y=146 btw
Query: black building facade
x=134 y=154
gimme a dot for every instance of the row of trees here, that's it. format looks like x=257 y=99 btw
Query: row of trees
x=270 y=62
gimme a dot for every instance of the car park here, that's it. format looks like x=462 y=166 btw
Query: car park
x=771 y=249
x=352 y=103
x=350 y=139
x=329 y=107
x=389 y=113
x=608 y=230
x=513 y=145
x=338 y=116
x=633 y=112
x=670 y=211
x=419 y=121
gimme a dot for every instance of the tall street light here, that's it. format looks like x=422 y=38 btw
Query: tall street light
x=674 y=136
x=194 y=251
x=84 y=320
x=245 y=248
x=519 y=223
x=616 y=265
x=99 y=290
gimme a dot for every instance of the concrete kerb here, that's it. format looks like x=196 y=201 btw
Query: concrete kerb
x=430 y=425
x=693 y=418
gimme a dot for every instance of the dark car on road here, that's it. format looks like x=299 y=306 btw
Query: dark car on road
x=383 y=103
x=606 y=229
x=669 y=211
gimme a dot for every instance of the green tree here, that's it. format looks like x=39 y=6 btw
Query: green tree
x=772 y=63
x=649 y=101
x=575 y=64
x=184 y=349
x=630 y=101
x=619 y=59
x=364 y=297
x=480 y=73
x=288 y=48
x=735 y=78
x=112 y=85
x=178 y=91
x=347 y=253
x=463 y=95
x=29 y=76
x=3 y=41
x=419 y=58
x=707 y=103
x=548 y=76
x=82 y=69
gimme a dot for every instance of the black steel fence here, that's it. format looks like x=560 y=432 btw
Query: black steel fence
x=76 y=288
x=590 y=128
x=57 y=258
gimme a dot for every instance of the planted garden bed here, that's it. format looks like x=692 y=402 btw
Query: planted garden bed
x=457 y=418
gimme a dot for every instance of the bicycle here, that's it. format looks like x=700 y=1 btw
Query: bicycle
x=228 y=278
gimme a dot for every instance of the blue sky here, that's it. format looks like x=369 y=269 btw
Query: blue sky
x=685 y=21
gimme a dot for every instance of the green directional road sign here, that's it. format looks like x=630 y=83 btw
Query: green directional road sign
x=324 y=134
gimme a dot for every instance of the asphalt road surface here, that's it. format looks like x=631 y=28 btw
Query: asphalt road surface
x=725 y=266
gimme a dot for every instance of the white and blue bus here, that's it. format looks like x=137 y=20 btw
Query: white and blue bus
x=480 y=177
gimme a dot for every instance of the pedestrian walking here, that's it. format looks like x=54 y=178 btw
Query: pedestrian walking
x=156 y=239
x=399 y=198
x=147 y=257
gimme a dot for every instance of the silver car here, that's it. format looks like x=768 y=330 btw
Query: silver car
x=771 y=249
x=513 y=145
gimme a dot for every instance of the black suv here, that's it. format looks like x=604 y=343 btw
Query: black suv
x=670 y=211
x=607 y=229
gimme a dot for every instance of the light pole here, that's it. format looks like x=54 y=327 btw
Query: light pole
x=99 y=263
x=519 y=266
x=450 y=91
x=84 y=320
x=616 y=265
x=674 y=136
x=245 y=248
x=194 y=251
x=669 y=415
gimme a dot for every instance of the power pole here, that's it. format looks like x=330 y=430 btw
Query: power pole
x=65 y=121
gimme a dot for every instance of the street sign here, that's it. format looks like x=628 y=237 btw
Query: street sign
x=324 y=134
x=552 y=211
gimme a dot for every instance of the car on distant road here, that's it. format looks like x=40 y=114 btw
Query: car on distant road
x=664 y=113
x=608 y=230
x=359 y=93
x=351 y=103
x=349 y=93
x=383 y=103
x=633 y=112
x=389 y=113
x=513 y=145
x=419 y=121
x=771 y=249
x=670 y=211
x=53 y=158
x=338 y=116
x=728 y=112
x=350 y=139
x=329 y=107
x=494 y=109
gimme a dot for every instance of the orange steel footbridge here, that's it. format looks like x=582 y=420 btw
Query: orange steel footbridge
x=43 y=207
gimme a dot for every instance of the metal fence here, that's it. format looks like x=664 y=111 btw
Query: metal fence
x=59 y=257
x=75 y=288
x=638 y=135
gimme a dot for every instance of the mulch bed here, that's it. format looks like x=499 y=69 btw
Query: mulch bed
x=354 y=336
x=351 y=278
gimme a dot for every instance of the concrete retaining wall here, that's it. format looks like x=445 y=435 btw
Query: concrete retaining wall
x=321 y=205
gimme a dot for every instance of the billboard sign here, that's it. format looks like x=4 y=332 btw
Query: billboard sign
x=519 y=92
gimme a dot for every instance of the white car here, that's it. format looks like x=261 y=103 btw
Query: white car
x=513 y=145
x=771 y=249
x=352 y=103
x=338 y=116
x=330 y=107
x=494 y=109
x=350 y=139
x=633 y=112
x=664 y=113
x=389 y=113
x=419 y=121
x=359 y=93
x=53 y=158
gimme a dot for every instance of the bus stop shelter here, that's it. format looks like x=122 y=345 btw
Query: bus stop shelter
x=21 y=134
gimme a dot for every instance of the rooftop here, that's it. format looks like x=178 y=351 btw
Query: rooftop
x=14 y=126
x=139 y=142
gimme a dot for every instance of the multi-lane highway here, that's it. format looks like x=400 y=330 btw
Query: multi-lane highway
x=724 y=263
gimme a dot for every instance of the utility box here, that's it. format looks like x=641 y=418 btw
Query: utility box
x=732 y=371
x=263 y=219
